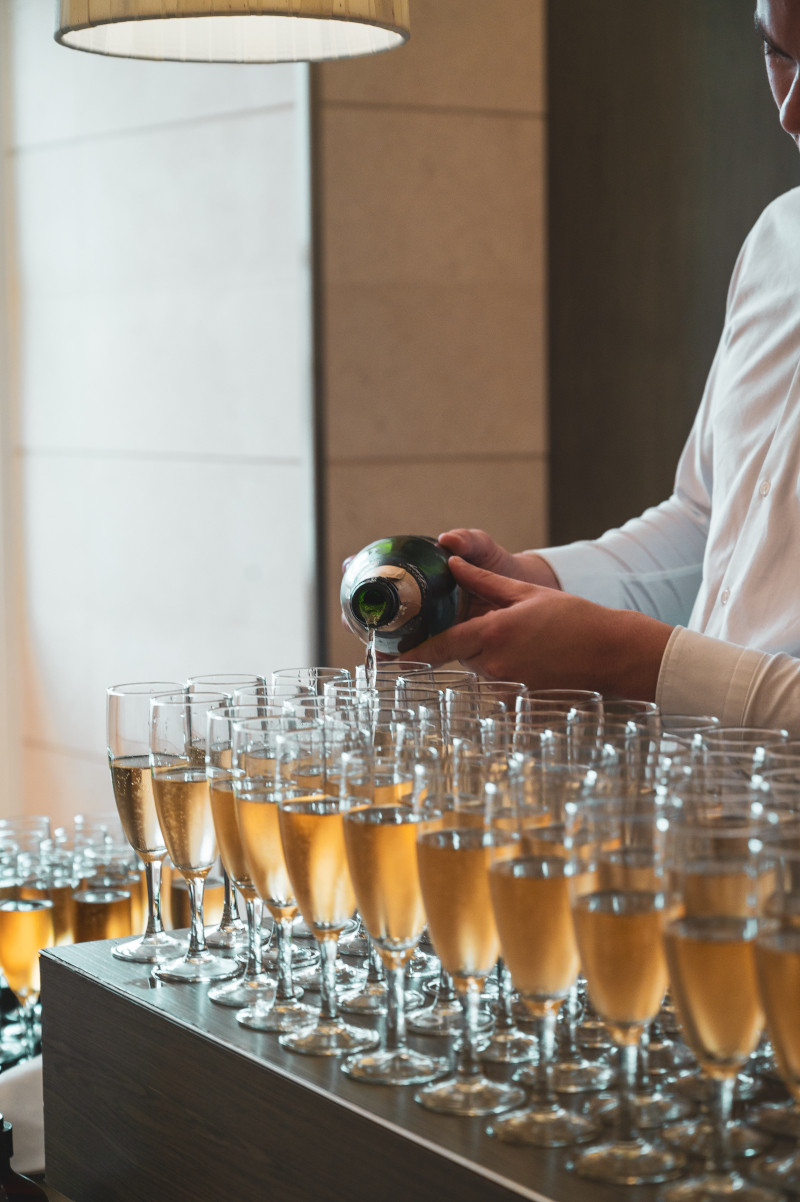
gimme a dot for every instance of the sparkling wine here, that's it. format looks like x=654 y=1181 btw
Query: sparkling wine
x=531 y=901
x=454 y=875
x=381 y=845
x=713 y=983
x=133 y=792
x=257 y=817
x=226 y=827
x=184 y=814
x=25 y=928
x=63 y=913
x=722 y=889
x=312 y=833
x=102 y=914
x=622 y=954
x=777 y=956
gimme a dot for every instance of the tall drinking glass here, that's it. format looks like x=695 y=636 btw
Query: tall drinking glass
x=128 y=739
x=178 y=723
x=25 y=928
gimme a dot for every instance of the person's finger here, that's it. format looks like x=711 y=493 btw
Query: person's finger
x=498 y=591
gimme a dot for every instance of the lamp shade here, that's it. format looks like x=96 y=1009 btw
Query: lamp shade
x=233 y=31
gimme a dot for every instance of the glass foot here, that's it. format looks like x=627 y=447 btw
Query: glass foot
x=347 y=977
x=509 y=1047
x=574 y=1076
x=701 y=1089
x=372 y=1001
x=650 y=1109
x=444 y=1018
x=778 y=1118
x=231 y=937
x=302 y=957
x=696 y=1136
x=543 y=1127
x=717 y=1187
x=329 y=1038
x=244 y=991
x=192 y=970
x=150 y=949
x=282 y=1017
x=469 y=1096
x=778 y=1172
x=629 y=1162
x=395 y=1068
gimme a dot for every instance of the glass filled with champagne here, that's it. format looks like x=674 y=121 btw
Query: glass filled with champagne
x=380 y=828
x=253 y=758
x=178 y=731
x=254 y=984
x=455 y=848
x=621 y=902
x=26 y=926
x=722 y=887
x=311 y=824
x=128 y=741
x=531 y=889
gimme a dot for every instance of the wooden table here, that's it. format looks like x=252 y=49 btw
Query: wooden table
x=153 y=1092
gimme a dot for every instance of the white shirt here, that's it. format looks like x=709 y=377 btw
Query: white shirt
x=721 y=558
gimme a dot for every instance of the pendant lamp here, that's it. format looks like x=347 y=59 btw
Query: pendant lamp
x=233 y=31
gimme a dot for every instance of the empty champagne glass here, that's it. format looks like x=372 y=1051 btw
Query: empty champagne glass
x=178 y=724
x=128 y=740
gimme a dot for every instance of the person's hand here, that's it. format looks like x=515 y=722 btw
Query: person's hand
x=479 y=548
x=549 y=639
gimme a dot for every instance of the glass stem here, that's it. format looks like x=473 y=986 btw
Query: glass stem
x=546 y=1032
x=228 y=919
x=254 y=907
x=284 y=991
x=501 y=1010
x=152 y=876
x=197 y=934
x=469 y=1064
x=572 y=1014
x=374 y=965
x=395 y=1037
x=27 y=1014
x=327 y=972
x=643 y=1062
x=445 y=990
x=628 y=1056
x=721 y=1108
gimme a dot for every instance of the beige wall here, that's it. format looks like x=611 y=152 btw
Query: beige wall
x=158 y=305
x=431 y=191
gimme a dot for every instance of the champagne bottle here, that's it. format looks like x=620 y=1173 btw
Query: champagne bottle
x=13 y=1186
x=402 y=589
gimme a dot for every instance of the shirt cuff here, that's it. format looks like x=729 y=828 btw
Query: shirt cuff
x=703 y=675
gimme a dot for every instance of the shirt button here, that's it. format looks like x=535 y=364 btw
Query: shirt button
x=764 y=487
x=726 y=594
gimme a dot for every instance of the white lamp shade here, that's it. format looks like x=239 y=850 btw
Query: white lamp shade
x=233 y=31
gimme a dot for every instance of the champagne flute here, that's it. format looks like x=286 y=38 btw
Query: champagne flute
x=183 y=804
x=256 y=801
x=25 y=928
x=620 y=904
x=231 y=932
x=454 y=849
x=312 y=835
x=128 y=738
x=380 y=840
x=777 y=957
x=710 y=950
x=255 y=984
x=530 y=892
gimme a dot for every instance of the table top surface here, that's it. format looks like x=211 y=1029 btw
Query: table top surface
x=532 y=1173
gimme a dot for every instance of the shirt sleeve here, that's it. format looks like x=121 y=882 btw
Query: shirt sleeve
x=653 y=563
x=741 y=686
